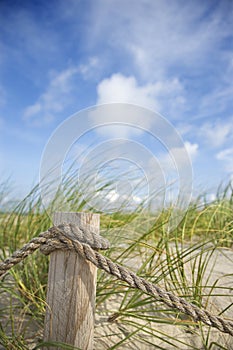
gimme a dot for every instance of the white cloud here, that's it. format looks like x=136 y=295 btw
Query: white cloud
x=192 y=149
x=137 y=199
x=211 y=197
x=164 y=35
x=183 y=128
x=216 y=134
x=87 y=69
x=120 y=88
x=167 y=40
x=112 y=196
x=179 y=158
x=226 y=156
x=32 y=110
x=217 y=101
x=52 y=101
x=126 y=89
x=57 y=95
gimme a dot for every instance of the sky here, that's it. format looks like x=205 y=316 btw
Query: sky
x=171 y=57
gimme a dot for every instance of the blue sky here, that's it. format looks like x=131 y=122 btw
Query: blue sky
x=173 y=57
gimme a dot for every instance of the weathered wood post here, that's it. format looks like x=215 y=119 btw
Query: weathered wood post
x=71 y=291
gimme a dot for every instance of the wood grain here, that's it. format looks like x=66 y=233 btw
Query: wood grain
x=71 y=291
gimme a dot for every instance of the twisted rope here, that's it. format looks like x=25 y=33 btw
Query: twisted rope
x=71 y=237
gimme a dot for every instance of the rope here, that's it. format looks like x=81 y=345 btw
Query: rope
x=71 y=237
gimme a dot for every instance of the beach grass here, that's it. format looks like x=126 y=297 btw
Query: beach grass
x=182 y=260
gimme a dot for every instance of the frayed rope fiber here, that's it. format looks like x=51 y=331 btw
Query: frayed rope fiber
x=86 y=243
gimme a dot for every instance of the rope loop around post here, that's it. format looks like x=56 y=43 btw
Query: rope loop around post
x=62 y=236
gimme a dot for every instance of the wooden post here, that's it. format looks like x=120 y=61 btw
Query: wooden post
x=71 y=291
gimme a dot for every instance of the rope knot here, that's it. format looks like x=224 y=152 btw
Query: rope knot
x=64 y=235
